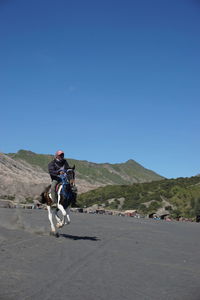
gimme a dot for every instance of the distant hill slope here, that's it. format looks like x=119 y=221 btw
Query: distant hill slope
x=93 y=173
x=20 y=179
x=182 y=194
x=23 y=175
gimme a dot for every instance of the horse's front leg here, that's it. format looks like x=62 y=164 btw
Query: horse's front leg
x=58 y=219
x=50 y=216
x=63 y=213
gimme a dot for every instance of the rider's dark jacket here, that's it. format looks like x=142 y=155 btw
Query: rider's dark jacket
x=56 y=166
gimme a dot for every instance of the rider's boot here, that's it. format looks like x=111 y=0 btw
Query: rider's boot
x=53 y=192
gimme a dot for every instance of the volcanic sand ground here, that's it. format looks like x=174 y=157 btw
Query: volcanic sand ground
x=97 y=257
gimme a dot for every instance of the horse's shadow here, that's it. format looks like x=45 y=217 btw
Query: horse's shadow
x=76 y=237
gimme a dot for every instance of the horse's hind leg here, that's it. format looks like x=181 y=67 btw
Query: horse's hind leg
x=67 y=221
x=53 y=229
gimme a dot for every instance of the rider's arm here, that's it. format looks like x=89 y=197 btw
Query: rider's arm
x=52 y=169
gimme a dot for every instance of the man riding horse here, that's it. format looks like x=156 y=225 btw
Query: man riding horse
x=61 y=173
x=57 y=166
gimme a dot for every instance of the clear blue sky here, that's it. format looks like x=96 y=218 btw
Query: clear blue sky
x=106 y=81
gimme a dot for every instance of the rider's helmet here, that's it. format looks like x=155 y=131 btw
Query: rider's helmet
x=59 y=155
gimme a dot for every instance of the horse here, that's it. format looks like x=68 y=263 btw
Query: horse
x=67 y=192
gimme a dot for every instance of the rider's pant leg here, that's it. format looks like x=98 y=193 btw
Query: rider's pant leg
x=53 y=190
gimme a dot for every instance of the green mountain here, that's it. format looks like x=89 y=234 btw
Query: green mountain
x=94 y=173
x=182 y=194
x=125 y=185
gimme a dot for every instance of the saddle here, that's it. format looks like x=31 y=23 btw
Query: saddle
x=57 y=187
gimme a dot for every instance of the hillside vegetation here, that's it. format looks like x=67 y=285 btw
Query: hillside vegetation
x=183 y=194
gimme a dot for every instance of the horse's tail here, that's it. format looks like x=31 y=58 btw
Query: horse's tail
x=43 y=195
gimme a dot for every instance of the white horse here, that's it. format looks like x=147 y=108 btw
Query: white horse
x=66 y=196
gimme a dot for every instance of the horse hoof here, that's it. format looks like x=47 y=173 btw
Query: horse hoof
x=56 y=234
x=58 y=225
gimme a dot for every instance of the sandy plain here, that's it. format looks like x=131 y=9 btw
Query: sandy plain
x=97 y=257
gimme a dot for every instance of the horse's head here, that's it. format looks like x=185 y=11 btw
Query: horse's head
x=68 y=191
x=70 y=173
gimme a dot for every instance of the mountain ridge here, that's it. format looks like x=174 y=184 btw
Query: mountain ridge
x=25 y=174
x=105 y=173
